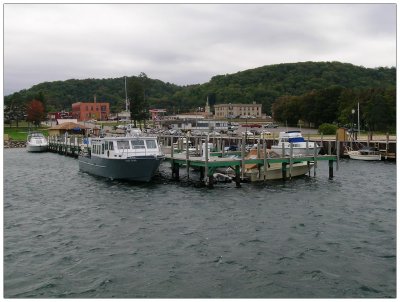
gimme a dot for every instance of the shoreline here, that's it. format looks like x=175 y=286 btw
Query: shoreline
x=10 y=144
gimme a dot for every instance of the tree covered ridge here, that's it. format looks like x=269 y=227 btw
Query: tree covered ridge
x=265 y=85
x=339 y=106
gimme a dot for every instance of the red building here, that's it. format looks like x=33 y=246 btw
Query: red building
x=89 y=111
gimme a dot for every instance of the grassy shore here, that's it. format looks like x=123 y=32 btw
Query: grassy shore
x=21 y=132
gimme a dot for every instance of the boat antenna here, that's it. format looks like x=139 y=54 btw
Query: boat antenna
x=126 y=97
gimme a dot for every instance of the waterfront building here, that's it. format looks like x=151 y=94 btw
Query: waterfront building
x=238 y=110
x=157 y=114
x=201 y=124
x=89 y=111
x=70 y=128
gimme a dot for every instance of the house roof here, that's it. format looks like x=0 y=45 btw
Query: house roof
x=69 y=126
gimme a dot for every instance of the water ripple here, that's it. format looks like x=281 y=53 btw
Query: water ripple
x=72 y=235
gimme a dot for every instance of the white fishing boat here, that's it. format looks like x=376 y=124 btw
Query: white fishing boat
x=274 y=170
x=299 y=144
x=134 y=158
x=365 y=153
x=36 y=142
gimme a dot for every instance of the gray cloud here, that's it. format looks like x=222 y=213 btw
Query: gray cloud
x=187 y=43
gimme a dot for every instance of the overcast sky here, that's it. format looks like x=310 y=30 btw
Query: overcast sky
x=187 y=43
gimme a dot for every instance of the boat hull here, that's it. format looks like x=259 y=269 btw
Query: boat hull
x=356 y=155
x=274 y=172
x=36 y=148
x=140 y=168
x=296 y=151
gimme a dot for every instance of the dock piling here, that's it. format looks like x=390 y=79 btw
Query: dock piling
x=330 y=169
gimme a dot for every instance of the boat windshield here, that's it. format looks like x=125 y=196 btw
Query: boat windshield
x=123 y=145
x=137 y=144
x=296 y=140
x=151 y=144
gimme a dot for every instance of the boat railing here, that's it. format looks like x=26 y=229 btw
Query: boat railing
x=140 y=152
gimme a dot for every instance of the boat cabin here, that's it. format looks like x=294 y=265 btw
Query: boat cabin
x=125 y=147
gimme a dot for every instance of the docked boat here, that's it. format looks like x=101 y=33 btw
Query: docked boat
x=300 y=145
x=36 y=142
x=274 y=170
x=134 y=158
x=365 y=153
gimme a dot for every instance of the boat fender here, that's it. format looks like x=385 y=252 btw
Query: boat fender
x=108 y=153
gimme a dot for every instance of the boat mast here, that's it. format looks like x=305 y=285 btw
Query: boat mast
x=358 y=119
x=126 y=98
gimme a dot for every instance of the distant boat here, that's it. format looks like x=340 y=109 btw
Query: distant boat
x=300 y=145
x=183 y=144
x=36 y=142
x=134 y=158
x=365 y=153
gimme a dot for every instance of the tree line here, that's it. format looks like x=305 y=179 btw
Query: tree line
x=265 y=85
x=338 y=105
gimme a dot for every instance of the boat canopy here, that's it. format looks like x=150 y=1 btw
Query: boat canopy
x=296 y=140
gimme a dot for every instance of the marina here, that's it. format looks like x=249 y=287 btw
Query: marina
x=207 y=162
x=213 y=151
x=230 y=153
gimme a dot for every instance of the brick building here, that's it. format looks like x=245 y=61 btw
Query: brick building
x=88 y=111
x=236 y=110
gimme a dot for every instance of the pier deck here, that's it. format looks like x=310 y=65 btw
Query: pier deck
x=209 y=164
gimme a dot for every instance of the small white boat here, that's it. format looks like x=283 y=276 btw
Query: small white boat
x=365 y=153
x=36 y=142
x=274 y=170
x=300 y=145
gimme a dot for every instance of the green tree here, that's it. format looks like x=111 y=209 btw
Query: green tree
x=138 y=104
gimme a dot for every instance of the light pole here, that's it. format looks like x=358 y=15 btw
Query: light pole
x=353 y=122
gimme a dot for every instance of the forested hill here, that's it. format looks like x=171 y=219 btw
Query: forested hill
x=262 y=85
x=59 y=95
x=266 y=84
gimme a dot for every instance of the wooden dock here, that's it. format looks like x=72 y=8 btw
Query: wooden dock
x=69 y=146
x=209 y=162
x=330 y=143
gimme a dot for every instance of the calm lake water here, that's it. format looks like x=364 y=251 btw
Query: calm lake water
x=69 y=234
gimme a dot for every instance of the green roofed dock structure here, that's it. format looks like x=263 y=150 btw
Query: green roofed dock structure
x=209 y=162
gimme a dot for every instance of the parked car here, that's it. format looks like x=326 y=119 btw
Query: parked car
x=214 y=133
x=252 y=125
x=231 y=148
x=270 y=125
x=266 y=134
x=248 y=133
